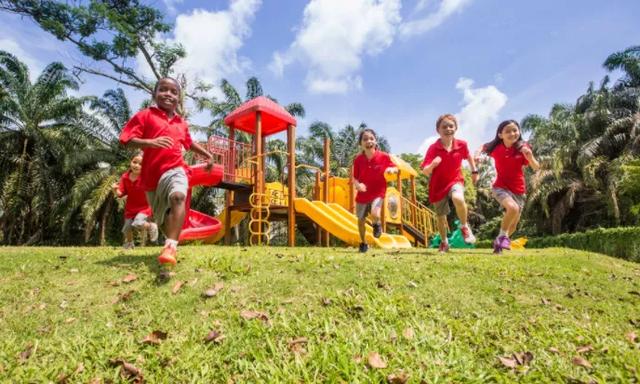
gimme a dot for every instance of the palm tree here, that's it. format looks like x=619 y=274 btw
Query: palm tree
x=39 y=126
x=100 y=167
x=628 y=61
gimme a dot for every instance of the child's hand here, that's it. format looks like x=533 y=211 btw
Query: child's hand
x=161 y=142
x=526 y=151
x=392 y=170
x=116 y=189
x=436 y=161
x=361 y=187
x=209 y=164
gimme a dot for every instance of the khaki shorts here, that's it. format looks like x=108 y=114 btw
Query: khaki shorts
x=137 y=222
x=172 y=181
x=363 y=210
x=442 y=207
x=501 y=194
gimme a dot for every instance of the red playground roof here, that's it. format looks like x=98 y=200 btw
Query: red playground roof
x=274 y=118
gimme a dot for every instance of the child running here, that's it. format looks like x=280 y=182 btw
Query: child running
x=161 y=133
x=443 y=161
x=369 y=168
x=136 y=209
x=510 y=154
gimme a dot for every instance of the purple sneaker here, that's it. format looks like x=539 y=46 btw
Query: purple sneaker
x=505 y=243
x=496 y=247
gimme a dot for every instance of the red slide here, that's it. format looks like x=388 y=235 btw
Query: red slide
x=197 y=225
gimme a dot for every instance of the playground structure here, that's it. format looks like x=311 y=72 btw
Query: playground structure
x=240 y=170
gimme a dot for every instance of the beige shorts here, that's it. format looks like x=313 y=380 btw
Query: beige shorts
x=442 y=207
x=137 y=222
x=501 y=194
x=172 y=181
x=363 y=210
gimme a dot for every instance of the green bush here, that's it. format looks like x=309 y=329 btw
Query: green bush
x=623 y=242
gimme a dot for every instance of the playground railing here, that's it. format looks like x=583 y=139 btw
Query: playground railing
x=232 y=155
x=419 y=217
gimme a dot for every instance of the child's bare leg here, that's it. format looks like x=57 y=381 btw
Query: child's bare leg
x=514 y=224
x=175 y=219
x=461 y=206
x=362 y=229
x=442 y=227
x=128 y=236
x=511 y=215
x=375 y=214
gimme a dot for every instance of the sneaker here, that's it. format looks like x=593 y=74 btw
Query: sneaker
x=497 y=249
x=128 y=246
x=377 y=230
x=467 y=235
x=444 y=247
x=153 y=232
x=505 y=242
x=168 y=256
x=363 y=247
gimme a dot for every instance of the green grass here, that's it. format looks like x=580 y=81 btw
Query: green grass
x=465 y=309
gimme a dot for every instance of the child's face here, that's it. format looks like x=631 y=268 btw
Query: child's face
x=510 y=134
x=368 y=141
x=447 y=128
x=167 y=95
x=136 y=164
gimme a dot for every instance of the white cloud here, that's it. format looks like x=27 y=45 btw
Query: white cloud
x=212 y=41
x=334 y=36
x=171 y=5
x=432 y=20
x=11 y=46
x=422 y=149
x=478 y=117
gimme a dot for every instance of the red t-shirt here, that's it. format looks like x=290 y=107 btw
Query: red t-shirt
x=509 y=163
x=370 y=172
x=136 y=198
x=149 y=124
x=449 y=171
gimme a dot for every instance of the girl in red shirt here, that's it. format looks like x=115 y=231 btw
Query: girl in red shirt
x=510 y=154
x=162 y=134
x=369 y=168
x=136 y=209
x=443 y=161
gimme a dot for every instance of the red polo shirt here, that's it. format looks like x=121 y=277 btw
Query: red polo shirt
x=449 y=171
x=509 y=163
x=136 y=198
x=149 y=124
x=370 y=172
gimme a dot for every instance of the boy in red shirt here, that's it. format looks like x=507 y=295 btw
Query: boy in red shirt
x=369 y=168
x=162 y=134
x=136 y=209
x=443 y=161
x=510 y=154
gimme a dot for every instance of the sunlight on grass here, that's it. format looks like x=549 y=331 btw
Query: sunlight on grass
x=314 y=314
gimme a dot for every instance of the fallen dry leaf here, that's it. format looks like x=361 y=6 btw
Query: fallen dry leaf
x=326 y=301
x=26 y=354
x=579 y=361
x=214 y=337
x=62 y=378
x=297 y=345
x=408 y=333
x=398 y=378
x=585 y=349
x=125 y=296
x=545 y=301
x=129 y=278
x=154 y=337
x=375 y=361
x=214 y=290
x=177 y=287
x=250 y=315
x=70 y=320
x=553 y=350
x=357 y=359
x=129 y=371
x=632 y=337
x=508 y=362
x=95 y=380
x=193 y=282
x=79 y=368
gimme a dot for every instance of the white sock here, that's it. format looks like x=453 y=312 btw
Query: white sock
x=503 y=233
x=171 y=243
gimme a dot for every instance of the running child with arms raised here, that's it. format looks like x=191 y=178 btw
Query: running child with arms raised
x=162 y=134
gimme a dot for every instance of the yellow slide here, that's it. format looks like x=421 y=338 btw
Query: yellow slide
x=236 y=218
x=344 y=225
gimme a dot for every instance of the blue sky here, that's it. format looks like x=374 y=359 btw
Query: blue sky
x=396 y=65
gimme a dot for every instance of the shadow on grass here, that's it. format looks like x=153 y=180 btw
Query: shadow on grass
x=150 y=260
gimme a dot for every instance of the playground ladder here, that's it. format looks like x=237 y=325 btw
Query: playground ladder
x=259 y=225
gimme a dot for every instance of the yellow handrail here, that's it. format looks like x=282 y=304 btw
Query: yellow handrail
x=419 y=217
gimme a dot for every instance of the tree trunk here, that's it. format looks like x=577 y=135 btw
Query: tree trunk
x=103 y=221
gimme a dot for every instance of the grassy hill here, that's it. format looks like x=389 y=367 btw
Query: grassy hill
x=317 y=315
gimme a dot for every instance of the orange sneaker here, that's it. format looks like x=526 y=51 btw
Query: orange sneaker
x=168 y=256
